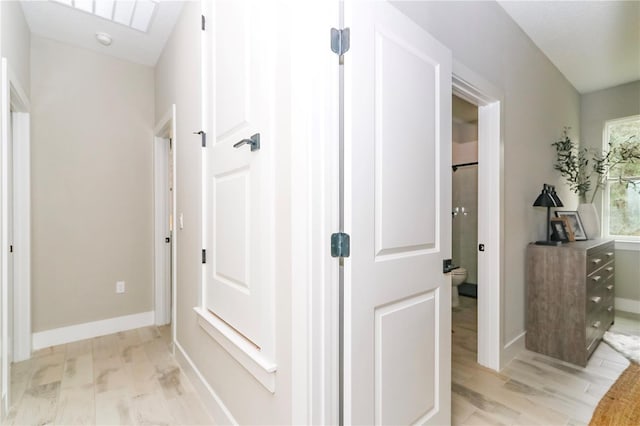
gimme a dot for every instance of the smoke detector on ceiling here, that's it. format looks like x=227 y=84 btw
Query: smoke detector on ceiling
x=104 y=39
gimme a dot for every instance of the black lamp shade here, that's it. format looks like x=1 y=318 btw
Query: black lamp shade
x=548 y=198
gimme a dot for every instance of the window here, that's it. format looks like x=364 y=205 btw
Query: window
x=622 y=187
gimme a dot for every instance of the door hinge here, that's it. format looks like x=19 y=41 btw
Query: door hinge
x=203 y=134
x=204 y=256
x=203 y=23
x=340 y=41
x=340 y=245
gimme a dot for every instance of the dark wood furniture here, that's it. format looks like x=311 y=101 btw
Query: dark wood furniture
x=570 y=298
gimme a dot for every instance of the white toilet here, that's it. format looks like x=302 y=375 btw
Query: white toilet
x=458 y=276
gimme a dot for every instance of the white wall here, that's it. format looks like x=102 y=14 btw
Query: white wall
x=538 y=103
x=15 y=42
x=595 y=109
x=92 y=120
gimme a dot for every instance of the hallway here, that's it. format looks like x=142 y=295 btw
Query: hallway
x=127 y=378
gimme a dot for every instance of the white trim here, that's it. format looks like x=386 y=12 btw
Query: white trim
x=21 y=237
x=314 y=216
x=627 y=305
x=628 y=245
x=88 y=330
x=20 y=104
x=513 y=348
x=4 y=240
x=212 y=402
x=250 y=357
x=475 y=89
x=164 y=288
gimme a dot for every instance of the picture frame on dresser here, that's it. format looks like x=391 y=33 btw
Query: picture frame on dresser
x=559 y=231
x=573 y=218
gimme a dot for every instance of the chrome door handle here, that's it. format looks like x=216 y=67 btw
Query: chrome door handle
x=596 y=299
x=596 y=261
x=253 y=142
x=596 y=324
x=596 y=278
x=610 y=287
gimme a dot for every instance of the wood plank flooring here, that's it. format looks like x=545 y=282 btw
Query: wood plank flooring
x=533 y=389
x=127 y=378
x=131 y=378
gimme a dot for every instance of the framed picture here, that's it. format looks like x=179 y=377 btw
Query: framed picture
x=575 y=223
x=559 y=230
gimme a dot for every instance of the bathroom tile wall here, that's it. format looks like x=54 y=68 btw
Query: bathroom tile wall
x=465 y=224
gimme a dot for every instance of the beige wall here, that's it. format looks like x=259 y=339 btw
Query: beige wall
x=538 y=103
x=595 y=109
x=92 y=120
x=15 y=42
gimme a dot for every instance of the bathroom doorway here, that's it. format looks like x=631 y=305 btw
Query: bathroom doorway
x=464 y=240
x=464 y=233
x=484 y=109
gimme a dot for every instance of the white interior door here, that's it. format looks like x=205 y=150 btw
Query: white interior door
x=4 y=240
x=163 y=227
x=397 y=331
x=239 y=182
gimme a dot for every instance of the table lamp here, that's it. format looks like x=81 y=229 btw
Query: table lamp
x=548 y=198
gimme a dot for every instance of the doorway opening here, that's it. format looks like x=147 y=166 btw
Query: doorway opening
x=164 y=194
x=488 y=248
x=16 y=217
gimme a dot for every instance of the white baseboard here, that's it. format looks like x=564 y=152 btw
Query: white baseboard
x=88 y=330
x=512 y=349
x=627 y=305
x=214 y=405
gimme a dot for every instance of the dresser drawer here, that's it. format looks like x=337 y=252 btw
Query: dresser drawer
x=600 y=257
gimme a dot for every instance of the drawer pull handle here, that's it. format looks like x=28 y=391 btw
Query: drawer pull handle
x=609 y=269
x=610 y=308
x=610 y=287
x=596 y=278
x=596 y=324
x=596 y=299
x=609 y=254
x=596 y=261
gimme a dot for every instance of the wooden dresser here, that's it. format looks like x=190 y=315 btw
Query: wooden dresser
x=570 y=298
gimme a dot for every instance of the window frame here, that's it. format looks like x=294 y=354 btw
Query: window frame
x=622 y=241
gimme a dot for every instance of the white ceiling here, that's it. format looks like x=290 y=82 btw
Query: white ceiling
x=68 y=25
x=595 y=44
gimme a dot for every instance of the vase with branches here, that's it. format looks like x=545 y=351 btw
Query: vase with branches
x=587 y=170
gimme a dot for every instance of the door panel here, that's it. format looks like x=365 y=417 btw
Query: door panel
x=397 y=210
x=240 y=194
x=405 y=221
x=404 y=356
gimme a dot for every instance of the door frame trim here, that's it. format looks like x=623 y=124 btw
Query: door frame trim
x=164 y=305
x=489 y=99
x=14 y=97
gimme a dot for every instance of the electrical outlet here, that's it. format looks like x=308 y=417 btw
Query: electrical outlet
x=120 y=287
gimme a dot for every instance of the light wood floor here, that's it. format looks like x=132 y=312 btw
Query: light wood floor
x=533 y=389
x=128 y=378
x=131 y=378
